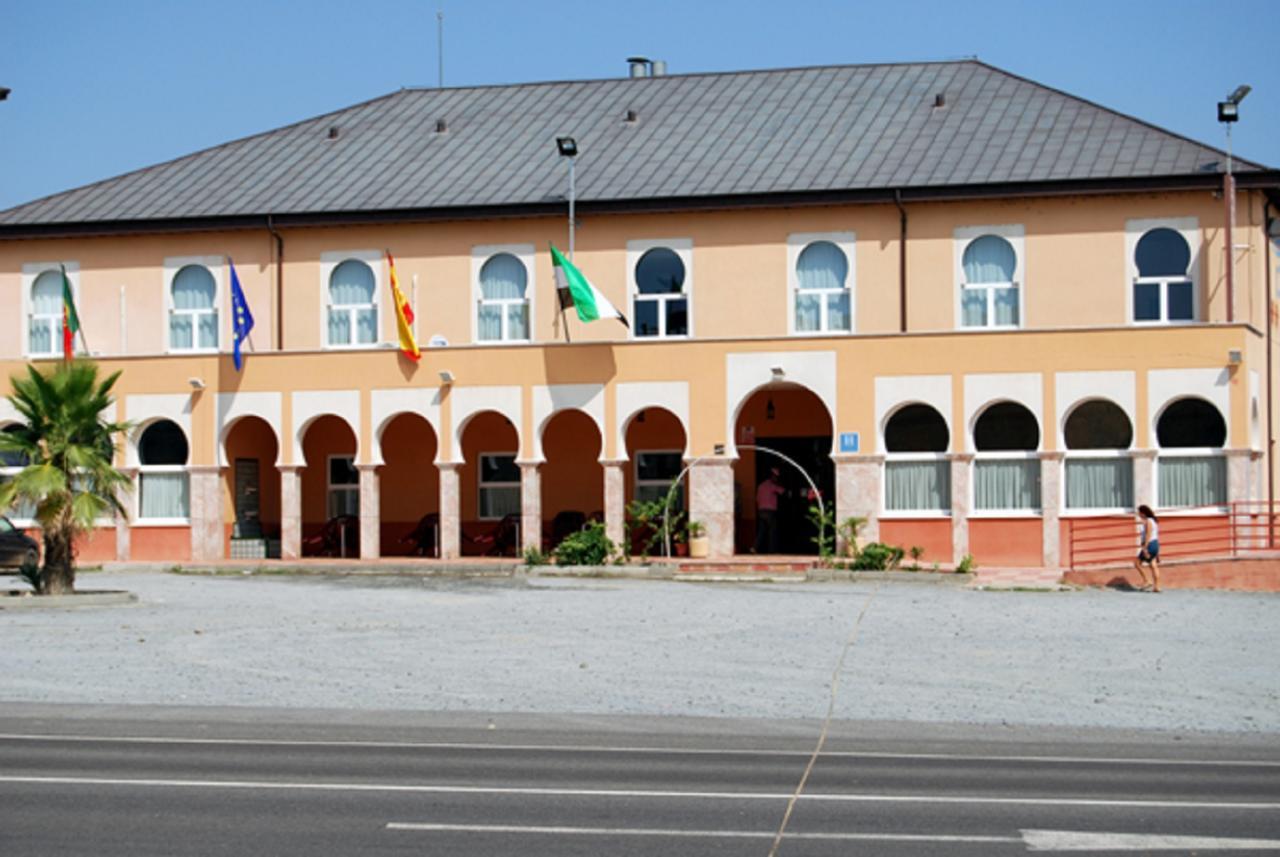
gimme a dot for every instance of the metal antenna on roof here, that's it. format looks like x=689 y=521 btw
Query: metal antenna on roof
x=440 y=44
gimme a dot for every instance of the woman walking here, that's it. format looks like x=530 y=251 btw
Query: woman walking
x=1149 y=548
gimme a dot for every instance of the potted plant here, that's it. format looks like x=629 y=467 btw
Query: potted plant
x=699 y=542
x=680 y=543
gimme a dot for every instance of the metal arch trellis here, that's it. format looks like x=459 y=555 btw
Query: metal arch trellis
x=671 y=493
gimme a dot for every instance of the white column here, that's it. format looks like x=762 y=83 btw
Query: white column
x=858 y=492
x=615 y=500
x=290 y=511
x=961 y=476
x=370 y=517
x=204 y=481
x=1144 y=482
x=450 y=511
x=1239 y=483
x=530 y=505
x=711 y=502
x=124 y=522
x=1051 y=508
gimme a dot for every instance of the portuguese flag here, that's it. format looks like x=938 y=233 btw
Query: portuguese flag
x=70 y=318
x=577 y=291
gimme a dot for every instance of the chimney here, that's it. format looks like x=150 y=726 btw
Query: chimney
x=640 y=66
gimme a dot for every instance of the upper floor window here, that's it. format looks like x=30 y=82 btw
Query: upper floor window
x=661 y=304
x=503 y=311
x=1163 y=288
x=193 y=310
x=989 y=294
x=45 y=320
x=352 y=305
x=163 y=491
x=822 y=289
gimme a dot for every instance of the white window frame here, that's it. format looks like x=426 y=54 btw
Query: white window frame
x=1011 y=455
x=343 y=488
x=796 y=244
x=683 y=248
x=481 y=485
x=1189 y=452
x=907 y=457
x=1189 y=229
x=330 y=260
x=30 y=272
x=1015 y=234
x=483 y=253
x=637 y=482
x=214 y=265
x=152 y=469
x=1098 y=511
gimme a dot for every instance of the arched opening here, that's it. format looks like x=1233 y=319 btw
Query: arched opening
x=489 y=486
x=917 y=473
x=252 y=489
x=572 y=476
x=1099 y=472
x=793 y=421
x=655 y=444
x=409 y=488
x=1006 y=472
x=330 y=489
x=163 y=488
x=1192 y=470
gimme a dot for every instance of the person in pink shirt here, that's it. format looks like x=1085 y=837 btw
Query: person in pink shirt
x=767 y=495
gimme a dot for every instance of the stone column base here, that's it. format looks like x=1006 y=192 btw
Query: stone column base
x=206 y=512
x=450 y=511
x=530 y=505
x=858 y=491
x=370 y=515
x=290 y=512
x=711 y=502
x=615 y=501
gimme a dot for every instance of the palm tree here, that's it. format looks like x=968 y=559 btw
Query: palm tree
x=67 y=445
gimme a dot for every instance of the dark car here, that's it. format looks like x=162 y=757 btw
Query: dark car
x=16 y=547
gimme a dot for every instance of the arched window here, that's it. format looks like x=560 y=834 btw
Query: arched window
x=917 y=473
x=1192 y=469
x=1099 y=472
x=1163 y=289
x=352 y=305
x=193 y=310
x=45 y=321
x=989 y=286
x=162 y=473
x=661 y=304
x=503 y=314
x=822 y=289
x=1006 y=472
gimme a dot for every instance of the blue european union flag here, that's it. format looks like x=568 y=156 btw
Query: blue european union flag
x=241 y=318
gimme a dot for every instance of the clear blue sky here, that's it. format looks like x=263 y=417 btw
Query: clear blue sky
x=102 y=88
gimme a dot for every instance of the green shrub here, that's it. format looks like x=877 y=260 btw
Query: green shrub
x=878 y=556
x=533 y=555
x=966 y=565
x=588 y=546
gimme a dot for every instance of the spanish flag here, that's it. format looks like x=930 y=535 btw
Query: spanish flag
x=404 y=316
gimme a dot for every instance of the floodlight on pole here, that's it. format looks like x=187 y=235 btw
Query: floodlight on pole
x=1229 y=114
x=568 y=148
x=4 y=93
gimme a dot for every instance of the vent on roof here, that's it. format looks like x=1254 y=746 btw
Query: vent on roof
x=645 y=67
x=940 y=100
x=441 y=126
x=333 y=132
x=630 y=116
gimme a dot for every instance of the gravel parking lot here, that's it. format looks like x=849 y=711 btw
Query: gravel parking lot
x=1178 y=660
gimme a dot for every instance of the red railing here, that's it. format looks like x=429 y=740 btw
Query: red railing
x=1208 y=532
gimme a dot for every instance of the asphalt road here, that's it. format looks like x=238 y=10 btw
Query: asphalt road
x=163 y=782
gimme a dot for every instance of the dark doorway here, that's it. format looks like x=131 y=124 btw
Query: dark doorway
x=796 y=531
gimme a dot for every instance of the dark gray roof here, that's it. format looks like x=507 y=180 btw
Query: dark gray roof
x=823 y=129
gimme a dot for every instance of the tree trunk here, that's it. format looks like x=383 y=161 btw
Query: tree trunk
x=58 y=577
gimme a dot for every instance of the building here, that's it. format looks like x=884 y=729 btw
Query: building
x=973 y=308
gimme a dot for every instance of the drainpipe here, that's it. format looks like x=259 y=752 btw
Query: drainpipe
x=902 y=261
x=1229 y=198
x=1271 y=441
x=279 y=283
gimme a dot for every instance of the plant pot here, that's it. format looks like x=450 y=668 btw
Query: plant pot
x=699 y=547
x=682 y=549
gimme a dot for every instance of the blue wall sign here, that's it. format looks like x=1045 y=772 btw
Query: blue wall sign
x=848 y=441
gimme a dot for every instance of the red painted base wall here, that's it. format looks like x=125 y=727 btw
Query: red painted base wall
x=1007 y=542
x=167 y=544
x=932 y=534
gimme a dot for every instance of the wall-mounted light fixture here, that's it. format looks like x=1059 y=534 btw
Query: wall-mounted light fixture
x=1235 y=357
x=446 y=377
x=778 y=373
x=196 y=383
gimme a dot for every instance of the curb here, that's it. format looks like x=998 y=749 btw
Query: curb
x=87 y=598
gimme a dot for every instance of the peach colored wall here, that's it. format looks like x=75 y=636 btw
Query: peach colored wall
x=1006 y=542
x=160 y=544
x=409 y=481
x=932 y=534
x=572 y=477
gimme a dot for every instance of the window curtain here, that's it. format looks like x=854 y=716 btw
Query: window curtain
x=489 y=322
x=518 y=321
x=808 y=312
x=1198 y=481
x=1099 y=483
x=194 y=291
x=503 y=278
x=163 y=495
x=989 y=259
x=973 y=306
x=499 y=502
x=822 y=265
x=917 y=485
x=1007 y=484
x=838 y=311
x=46 y=300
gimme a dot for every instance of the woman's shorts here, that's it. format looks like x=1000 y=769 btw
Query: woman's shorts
x=1150 y=552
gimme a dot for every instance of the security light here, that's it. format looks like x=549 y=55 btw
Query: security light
x=4 y=92
x=778 y=372
x=446 y=377
x=196 y=383
x=1229 y=110
x=567 y=146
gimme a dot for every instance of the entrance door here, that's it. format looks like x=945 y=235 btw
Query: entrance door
x=248 y=500
x=796 y=532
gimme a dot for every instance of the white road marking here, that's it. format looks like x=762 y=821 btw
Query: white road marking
x=1069 y=840
x=672 y=751
x=692 y=834
x=628 y=793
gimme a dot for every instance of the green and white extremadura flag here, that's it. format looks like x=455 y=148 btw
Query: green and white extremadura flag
x=583 y=296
